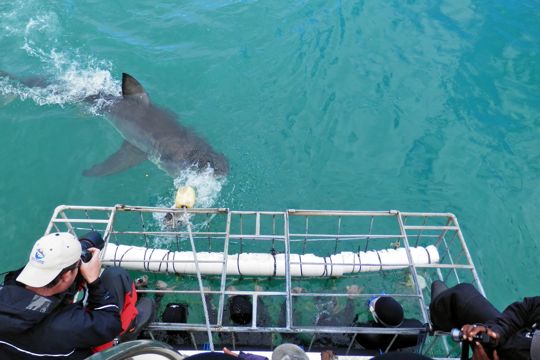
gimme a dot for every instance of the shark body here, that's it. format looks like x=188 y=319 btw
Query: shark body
x=153 y=133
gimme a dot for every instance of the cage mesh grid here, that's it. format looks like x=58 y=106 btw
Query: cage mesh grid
x=291 y=232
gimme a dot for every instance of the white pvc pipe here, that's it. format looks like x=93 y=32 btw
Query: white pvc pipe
x=262 y=264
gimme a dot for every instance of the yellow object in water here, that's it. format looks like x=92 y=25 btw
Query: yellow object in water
x=185 y=197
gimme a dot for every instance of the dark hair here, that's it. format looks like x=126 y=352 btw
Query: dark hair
x=62 y=272
x=240 y=309
x=175 y=313
x=388 y=312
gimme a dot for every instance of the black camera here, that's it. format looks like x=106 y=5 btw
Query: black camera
x=89 y=240
x=483 y=338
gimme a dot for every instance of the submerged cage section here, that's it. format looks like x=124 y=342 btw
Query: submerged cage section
x=301 y=276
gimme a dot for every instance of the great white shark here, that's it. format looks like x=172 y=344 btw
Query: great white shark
x=153 y=133
x=149 y=131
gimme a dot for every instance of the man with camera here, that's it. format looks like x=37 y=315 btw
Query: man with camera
x=514 y=331
x=39 y=318
x=508 y=335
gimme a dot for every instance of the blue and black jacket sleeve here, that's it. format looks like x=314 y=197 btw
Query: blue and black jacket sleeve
x=519 y=315
x=89 y=326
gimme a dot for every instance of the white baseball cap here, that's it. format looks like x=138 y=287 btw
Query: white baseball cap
x=289 y=352
x=50 y=255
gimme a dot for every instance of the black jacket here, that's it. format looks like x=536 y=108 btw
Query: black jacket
x=514 y=325
x=39 y=327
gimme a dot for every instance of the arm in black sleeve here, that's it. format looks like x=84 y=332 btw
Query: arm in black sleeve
x=94 y=325
x=100 y=297
x=517 y=316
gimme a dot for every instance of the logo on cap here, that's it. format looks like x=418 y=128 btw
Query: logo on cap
x=39 y=256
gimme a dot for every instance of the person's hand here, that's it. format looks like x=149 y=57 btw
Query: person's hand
x=229 y=352
x=470 y=331
x=327 y=355
x=480 y=354
x=353 y=290
x=90 y=270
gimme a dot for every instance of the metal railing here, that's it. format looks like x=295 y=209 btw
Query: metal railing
x=286 y=306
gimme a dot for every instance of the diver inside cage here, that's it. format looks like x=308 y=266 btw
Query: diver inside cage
x=387 y=313
x=237 y=312
x=323 y=311
x=176 y=313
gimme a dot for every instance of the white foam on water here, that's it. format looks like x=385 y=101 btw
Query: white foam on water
x=14 y=15
x=206 y=185
x=40 y=33
x=207 y=189
x=7 y=27
x=75 y=85
x=69 y=76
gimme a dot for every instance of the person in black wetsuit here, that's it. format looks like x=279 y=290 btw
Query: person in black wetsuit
x=513 y=330
x=239 y=312
x=388 y=313
x=38 y=316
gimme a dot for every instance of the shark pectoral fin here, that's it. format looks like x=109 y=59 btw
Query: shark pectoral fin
x=126 y=157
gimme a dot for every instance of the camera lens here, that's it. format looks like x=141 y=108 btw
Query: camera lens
x=85 y=254
x=92 y=239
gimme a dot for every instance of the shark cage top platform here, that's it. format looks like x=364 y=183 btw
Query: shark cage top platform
x=302 y=276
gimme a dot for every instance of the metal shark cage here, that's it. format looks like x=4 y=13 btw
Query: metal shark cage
x=325 y=310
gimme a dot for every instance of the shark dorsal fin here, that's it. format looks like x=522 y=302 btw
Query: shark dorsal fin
x=131 y=88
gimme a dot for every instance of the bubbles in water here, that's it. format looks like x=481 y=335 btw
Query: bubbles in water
x=40 y=31
x=67 y=75
x=207 y=189
x=207 y=186
x=74 y=86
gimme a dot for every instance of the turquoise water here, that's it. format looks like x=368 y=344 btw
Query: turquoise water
x=361 y=105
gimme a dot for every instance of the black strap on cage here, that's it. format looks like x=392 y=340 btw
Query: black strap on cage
x=428 y=255
x=146 y=263
x=122 y=257
x=301 y=266
x=165 y=261
x=238 y=264
x=273 y=252
x=331 y=266
x=380 y=261
x=325 y=272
